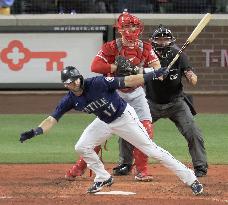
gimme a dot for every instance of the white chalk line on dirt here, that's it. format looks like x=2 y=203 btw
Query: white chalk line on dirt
x=115 y=193
x=6 y=197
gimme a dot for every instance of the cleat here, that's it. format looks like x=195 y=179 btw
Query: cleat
x=197 y=188
x=143 y=178
x=97 y=186
x=201 y=171
x=72 y=173
x=122 y=169
x=69 y=176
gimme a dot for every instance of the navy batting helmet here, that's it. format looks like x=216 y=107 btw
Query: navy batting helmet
x=70 y=74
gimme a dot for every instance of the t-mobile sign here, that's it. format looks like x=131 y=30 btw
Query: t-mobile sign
x=222 y=59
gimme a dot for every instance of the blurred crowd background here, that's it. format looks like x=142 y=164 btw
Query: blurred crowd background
x=111 y=6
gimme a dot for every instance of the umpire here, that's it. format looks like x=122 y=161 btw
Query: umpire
x=167 y=100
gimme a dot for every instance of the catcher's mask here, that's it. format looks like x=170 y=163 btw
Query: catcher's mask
x=70 y=74
x=129 y=26
x=162 y=39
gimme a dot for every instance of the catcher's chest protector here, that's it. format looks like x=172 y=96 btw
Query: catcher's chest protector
x=135 y=55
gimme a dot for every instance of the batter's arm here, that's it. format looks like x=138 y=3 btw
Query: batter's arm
x=155 y=64
x=45 y=125
x=134 y=80
x=139 y=79
x=48 y=123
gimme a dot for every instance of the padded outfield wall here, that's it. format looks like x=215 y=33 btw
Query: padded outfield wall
x=208 y=53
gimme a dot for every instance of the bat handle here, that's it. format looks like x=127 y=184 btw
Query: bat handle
x=178 y=55
x=173 y=61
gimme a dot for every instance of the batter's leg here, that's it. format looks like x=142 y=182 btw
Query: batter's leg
x=135 y=133
x=141 y=160
x=79 y=167
x=95 y=134
x=140 y=104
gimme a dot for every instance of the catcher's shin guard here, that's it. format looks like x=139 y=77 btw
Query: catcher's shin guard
x=79 y=168
x=149 y=128
x=141 y=160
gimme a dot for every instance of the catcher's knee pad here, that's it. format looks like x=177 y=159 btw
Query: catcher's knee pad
x=149 y=127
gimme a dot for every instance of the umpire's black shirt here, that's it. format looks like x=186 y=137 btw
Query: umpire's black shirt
x=163 y=92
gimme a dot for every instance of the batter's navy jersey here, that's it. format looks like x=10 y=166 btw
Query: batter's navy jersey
x=99 y=97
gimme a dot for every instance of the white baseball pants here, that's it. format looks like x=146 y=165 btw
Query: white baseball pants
x=131 y=129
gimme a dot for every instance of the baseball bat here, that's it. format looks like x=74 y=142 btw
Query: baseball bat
x=204 y=21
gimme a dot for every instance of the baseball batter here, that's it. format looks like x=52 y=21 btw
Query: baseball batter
x=98 y=95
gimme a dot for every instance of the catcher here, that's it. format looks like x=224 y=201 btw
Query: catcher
x=139 y=54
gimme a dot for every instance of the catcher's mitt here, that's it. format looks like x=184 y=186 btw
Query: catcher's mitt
x=124 y=67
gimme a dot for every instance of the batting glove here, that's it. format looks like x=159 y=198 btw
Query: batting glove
x=30 y=134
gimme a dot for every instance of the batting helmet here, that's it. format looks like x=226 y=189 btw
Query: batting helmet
x=124 y=23
x=162 y=47
x=70 y=74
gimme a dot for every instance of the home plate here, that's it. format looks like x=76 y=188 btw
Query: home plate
x=115 y=193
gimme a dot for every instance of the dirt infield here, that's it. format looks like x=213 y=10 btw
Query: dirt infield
x=45 y=184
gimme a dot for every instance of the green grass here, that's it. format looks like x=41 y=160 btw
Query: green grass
x=57 y=146
x=214 y=128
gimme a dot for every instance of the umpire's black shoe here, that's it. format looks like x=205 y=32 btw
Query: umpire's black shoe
x=97 y=186
x=201 y=171
x=122 y=169
x=197 y=188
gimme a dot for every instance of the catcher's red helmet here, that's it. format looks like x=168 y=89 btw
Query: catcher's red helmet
x=129 y=26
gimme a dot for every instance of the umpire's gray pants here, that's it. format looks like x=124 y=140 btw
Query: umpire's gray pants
x=179 y=113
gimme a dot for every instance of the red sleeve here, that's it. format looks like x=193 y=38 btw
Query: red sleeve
x=100 y=66
x=149 y=53
x=104 y=58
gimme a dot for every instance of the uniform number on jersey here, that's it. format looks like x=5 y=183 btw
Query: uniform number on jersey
x=110 y=110
x=109 y=79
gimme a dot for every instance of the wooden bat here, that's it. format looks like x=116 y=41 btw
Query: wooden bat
x=204 y=21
